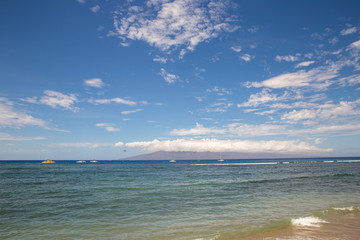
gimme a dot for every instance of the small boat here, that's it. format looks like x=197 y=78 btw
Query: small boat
x=172 y=160
x=93 y=161
x=81 y=161
x=48 y=161
x=221 y=159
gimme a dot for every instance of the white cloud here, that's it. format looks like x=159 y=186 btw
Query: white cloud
x=324 y=112
x=10 y=117
x=160 y=59
x=200 y=99
x=198 y=130
x=299 y=104
x=108 y=127
x=304 y=64
x=262 y=97
x=350 y=80
x=329 y=130
x=268 y=112
x=236 y=49
x=214 y=145
x=168 y=77
x=319 y=140
x=112 y=100
x=179 y=23
x=132 y=111
x=246 y=57
x=219 y=91
x=289 y=58
x=317 y=78
x=255 y=130
x=355 y=45
x=234 y=130
x=348 y=31
x=9 y=137
x=333 y=40
x=253 y=29
x=81 y=1
x=94 y=82
x=56 y=100
x=119 y=144
x=95 y=9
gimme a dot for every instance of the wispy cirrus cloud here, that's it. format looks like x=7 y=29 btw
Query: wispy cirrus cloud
x=316 y=78
x=112 y=100
x=12 y=117
x=174 y=24
x=236 y=49
x=304 y=64
x=108 y=127
x=348 y=31
x=131 y=111
x=288 y=58
x=56 y=99
x=9 y=137
x=355 y=45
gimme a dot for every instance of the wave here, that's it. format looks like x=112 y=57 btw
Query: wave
x=348 y=161
x=307 y=222
x=273 y=163
x=233 y=164
x=347 y=209
x=315 y=226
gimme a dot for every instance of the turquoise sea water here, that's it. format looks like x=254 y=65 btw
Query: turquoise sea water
x=237 y=199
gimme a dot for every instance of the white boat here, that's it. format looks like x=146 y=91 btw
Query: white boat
x=81 y=161
x=93 y=161
x=172 y=160
x=220 y=159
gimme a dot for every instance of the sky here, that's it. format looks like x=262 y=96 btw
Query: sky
x=87 y=79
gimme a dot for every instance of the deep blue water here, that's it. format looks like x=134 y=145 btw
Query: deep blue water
x=162 y=200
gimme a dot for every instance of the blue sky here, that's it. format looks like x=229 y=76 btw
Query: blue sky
x=84 y=79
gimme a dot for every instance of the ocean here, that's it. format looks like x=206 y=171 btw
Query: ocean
x=185 y=200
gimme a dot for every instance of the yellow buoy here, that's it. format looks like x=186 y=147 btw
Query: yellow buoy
x=48 y=161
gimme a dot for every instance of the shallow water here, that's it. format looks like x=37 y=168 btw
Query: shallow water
x=258 y=199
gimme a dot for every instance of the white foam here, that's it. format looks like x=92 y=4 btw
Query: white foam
x=348 y=161
x=307 y=222
x=232 y=164
x=350 y=209
x=328 y=161
x=211 y=238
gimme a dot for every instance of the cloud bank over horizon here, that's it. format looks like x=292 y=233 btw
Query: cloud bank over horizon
x=214 y=145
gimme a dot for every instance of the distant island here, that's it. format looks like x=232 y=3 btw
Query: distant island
x=163 y=155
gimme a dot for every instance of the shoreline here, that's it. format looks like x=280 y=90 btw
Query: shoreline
x=333 y=223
